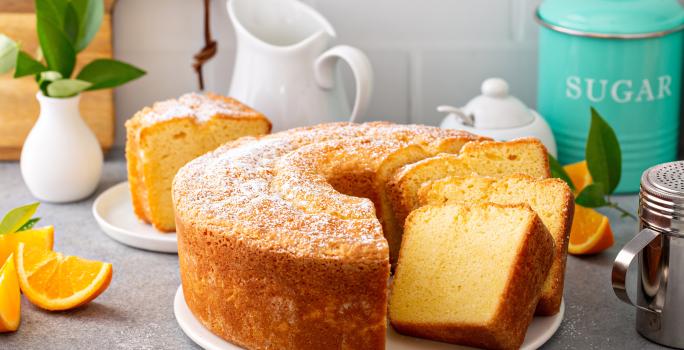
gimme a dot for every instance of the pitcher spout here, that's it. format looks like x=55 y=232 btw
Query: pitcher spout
x=278 y=24
x=285 y=66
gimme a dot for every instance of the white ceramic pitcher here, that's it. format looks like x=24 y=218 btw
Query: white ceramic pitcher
x=285 y=67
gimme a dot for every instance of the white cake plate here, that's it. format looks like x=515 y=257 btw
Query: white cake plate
x=113 y=211
x=540 y=330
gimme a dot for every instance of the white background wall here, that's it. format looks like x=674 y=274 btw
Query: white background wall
x=424 y=52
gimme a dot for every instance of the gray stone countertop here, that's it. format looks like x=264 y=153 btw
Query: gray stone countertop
x=136 y=312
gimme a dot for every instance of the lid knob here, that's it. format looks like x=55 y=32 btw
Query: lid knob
x=495 y=87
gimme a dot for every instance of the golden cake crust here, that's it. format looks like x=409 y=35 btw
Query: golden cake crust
x=277 y=249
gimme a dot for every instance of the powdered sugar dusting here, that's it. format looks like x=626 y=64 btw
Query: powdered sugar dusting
x=198 y=106
x=273 y=191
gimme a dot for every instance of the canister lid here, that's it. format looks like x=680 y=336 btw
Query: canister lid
x=613 y=16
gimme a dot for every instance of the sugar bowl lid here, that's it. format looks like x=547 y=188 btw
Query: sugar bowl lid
x=494 y=109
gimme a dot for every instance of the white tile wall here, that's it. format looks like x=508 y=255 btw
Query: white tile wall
x=424 y=52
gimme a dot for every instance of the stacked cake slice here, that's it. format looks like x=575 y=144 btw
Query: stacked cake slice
x=484 y=244
x=470 y=274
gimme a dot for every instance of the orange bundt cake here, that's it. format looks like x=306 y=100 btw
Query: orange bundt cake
x=162 y=138
x=551 y=199
x=279 y=245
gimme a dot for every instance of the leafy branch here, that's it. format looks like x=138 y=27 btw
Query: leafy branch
x=65 y=28
x=604 y=161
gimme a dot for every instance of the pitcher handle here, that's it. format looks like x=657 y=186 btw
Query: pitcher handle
x=624 y=259
x=324 y=70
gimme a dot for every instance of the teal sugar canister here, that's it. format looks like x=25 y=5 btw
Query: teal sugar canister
x=623 y=57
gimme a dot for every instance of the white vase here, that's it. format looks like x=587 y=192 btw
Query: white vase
x=61 y=160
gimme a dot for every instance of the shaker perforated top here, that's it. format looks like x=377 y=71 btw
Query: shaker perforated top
x=666 y=180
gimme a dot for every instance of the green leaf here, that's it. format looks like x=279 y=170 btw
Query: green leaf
x=28 y=225
x=54 y=10
x=70 y=26
x=90 y=14
x=603 y=153
x=66 y=87
x=58 y=50
x=558 y=171
x=592 y=196
x=108 y=73
x=8 y=53
x=17 y=217
x=26 y=65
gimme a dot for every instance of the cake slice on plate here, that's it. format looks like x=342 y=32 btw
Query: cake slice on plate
x=551 y=199
x=164 y=137
x=470 y=275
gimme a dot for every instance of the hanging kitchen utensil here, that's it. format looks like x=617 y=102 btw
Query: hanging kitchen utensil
x=210 y=46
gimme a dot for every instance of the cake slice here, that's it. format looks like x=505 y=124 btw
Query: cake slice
x=164 y=137
x=470 y=275
x=389 y=166
x=551 y=199
x=488 y=158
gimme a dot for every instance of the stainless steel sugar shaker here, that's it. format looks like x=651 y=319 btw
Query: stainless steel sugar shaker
x=659 y=247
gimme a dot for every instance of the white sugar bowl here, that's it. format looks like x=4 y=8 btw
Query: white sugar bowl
x=498 y=115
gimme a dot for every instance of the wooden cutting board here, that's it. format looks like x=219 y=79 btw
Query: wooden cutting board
x=18 y=106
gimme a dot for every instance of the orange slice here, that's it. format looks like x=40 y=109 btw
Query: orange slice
x=39 y=237
x=10 y=298
x=579 y=175
x=54 y=281
x=590 y=232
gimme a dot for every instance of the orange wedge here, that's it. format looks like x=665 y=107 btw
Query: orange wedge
x=39 y=237
x=579 y=175
x=53 y=281
x=590 y=232
x=10 y=298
